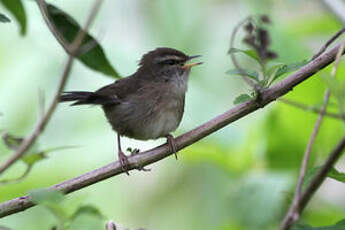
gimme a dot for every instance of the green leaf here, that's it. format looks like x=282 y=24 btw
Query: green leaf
x=250 y=53
x=271 y=71
x=289 y=68
x=338 y=226
x=4 y=19
x=249 y=73
x=242 y=98
x=95 y=57
x=17 y=9
x=336 y=175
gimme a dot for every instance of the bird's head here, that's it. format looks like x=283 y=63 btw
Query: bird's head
x=167 y=64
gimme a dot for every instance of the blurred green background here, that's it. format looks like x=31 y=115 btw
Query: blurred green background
x=239 y=178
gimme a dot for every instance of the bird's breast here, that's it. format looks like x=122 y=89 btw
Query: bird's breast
x=152 y=113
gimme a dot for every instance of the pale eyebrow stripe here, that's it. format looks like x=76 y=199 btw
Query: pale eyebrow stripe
x=165 y=58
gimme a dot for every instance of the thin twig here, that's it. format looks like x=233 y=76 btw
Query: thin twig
x=27 y=143
x=145 y=158
x=328 y=43
x=233 y=57
x=311 y=108
x=294 y=214
x=294 y=211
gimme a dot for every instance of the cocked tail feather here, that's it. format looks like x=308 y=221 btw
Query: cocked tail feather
x=87 y=98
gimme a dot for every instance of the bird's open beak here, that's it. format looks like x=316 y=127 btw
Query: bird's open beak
x=190 y=65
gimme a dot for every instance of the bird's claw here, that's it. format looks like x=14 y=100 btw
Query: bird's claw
x=124 y=162
x=172 y=144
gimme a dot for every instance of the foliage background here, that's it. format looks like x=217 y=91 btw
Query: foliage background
x=240 y=178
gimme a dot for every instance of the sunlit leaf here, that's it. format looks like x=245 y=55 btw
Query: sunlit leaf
x=17 y=9
x=242 y=98
x=3 y=18
x=33 y=158
x=338 y=226
x=249 y=73
x=93 y=58
x=250 y=53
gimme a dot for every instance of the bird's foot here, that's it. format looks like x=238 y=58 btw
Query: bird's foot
x=142 y=168
x=133 y=151
x=124 y=162
x=172 y=144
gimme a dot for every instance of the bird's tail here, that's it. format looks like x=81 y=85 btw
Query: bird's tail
x=83 y=98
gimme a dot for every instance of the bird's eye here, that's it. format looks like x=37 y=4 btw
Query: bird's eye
x=170 y=62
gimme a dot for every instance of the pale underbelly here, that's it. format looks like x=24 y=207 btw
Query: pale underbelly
x=161 y=126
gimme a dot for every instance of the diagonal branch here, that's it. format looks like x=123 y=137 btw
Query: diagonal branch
x=145 y=158
x=322 y=174
x=294 y=211
x=29 y=141
x=317 y=180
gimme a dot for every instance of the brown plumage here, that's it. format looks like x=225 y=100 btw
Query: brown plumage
x=148 y=104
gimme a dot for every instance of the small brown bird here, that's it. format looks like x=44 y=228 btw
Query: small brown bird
x=148 y=104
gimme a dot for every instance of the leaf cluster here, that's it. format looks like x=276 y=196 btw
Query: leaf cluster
x=258 y=40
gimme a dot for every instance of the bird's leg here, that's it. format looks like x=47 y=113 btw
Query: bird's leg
x=122 y=157
x=172 y=144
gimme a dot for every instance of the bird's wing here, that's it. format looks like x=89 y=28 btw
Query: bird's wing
x=117 y=91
